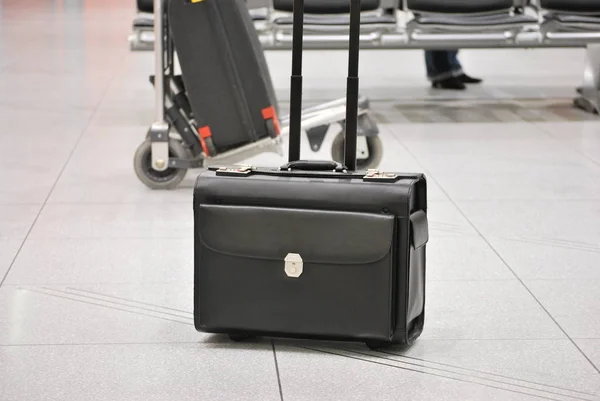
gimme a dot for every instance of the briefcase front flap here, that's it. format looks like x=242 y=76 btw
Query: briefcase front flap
x=317 y=236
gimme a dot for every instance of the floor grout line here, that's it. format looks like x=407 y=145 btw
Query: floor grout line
x=500 y=257
x=61 y=172
x=415 y=370
x=92 y=344
x=523 y=385
x=128 y=300
x=277 y=370
x=96 y=283
x=37 y=291
x=156 y=309
x=424 y=363
x=231 y=344
x=549 y=133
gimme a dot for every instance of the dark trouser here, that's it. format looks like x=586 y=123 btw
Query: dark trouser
x=442 y=64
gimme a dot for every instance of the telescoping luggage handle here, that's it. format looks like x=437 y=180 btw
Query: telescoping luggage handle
x=351 y=84
x=309 y=167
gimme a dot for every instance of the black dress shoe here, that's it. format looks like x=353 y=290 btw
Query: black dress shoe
x=452 y=83
x=469 y=80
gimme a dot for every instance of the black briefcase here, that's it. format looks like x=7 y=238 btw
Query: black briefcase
x=311 y=249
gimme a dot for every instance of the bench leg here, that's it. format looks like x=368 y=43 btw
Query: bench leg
x=590 y=90
x=140 y=40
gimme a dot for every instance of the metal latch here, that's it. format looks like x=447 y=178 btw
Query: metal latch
x=293 y=265
x=376 y=175
x=242 y=169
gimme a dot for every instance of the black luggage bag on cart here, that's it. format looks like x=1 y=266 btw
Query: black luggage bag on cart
x=312 y=249
x=224 y=71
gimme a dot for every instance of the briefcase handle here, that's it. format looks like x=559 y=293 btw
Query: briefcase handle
x=314 y=165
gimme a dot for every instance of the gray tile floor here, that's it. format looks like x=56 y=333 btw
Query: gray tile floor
x=96 y=297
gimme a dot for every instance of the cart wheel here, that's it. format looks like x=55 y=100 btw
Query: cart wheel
x=237 y=337
x=167 y=179
x=372 y=161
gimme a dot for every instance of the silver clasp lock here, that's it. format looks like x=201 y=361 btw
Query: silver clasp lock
x=293 y=265
x=376 y=175
x=242 y=169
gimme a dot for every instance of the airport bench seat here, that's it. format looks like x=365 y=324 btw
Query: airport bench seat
x=572 y=6
x=146 y=20
x=327 y=22
x=577 y=22
x=321 y=7
x=466 y=23
x=143 y=22
x=338 y=23
x=337 y=20
x=145 y=6
x=571 y=21
x=458 y=7
x=461 y=22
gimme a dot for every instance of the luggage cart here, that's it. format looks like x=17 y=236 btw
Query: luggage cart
x=175 y=143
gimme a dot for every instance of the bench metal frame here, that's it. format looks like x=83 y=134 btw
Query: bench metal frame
x=406 y=33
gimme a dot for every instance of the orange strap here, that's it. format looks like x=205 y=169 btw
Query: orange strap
x=204 y=133
x=269 y=114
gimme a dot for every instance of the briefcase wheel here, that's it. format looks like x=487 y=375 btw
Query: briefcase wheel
x=237 y=337
x=363 y=162
x=154 y=179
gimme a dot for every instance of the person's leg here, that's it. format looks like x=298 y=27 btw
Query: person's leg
x=459 y=73
x=454 y=63
x=441 y=69
x=430 y=66
x=439 y=64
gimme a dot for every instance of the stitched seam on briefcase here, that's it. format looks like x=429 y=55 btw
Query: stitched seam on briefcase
x=368 y=262
x=204 y=243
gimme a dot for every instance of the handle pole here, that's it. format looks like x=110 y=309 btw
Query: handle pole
x=159 y=56
x=352 y=86
x=296 y=82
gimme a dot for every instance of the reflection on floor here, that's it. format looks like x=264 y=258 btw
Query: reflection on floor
x=96 y=301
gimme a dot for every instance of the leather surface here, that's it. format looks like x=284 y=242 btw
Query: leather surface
x=320 y=237
x=576 y=6
x=244 y=225
x=278 y=172
x=241 y=282
x=459 y=6
x=229 y=92
x=503 y=19
x=419 y=229
x=338 y=20
x=311 y=193
x=254 y=295
x=416 y=286
x=325 y=6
